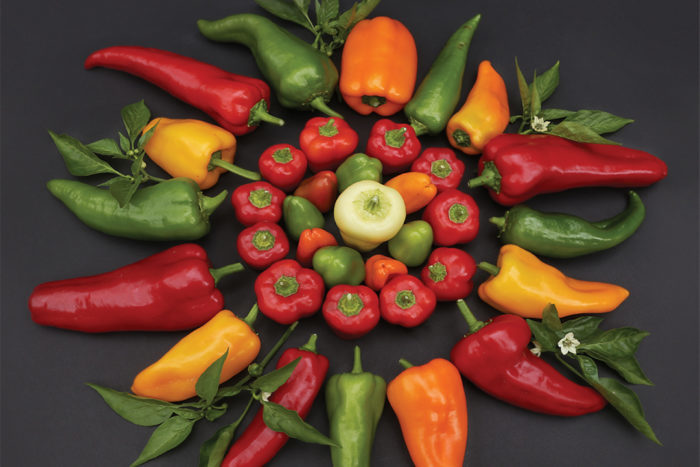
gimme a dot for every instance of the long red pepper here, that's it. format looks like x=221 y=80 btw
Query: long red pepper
x=237 y=103
x=258 y=444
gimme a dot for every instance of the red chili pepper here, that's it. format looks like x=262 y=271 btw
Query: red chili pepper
x=312 y=240
x=517 y=167
x=327 y=141
x=321 y=189
x=171 y=290
x=454 y=217
x=351 y=311
x=406 y=301
x=495 y=357
x=237 y=103
x=287 y=292
x=445 y=170
x=283 y=165
x=257 y=202
x=395 y=144
x=258 y=444
x=449 y=273
x=262 y=244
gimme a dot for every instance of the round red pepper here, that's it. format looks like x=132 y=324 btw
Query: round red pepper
x=257 y=202
x=327 y=141
x=312 y=240
x=351 y=311
x=454 y=217
x=445 y=170
x=449 y=273
x=406 y=301
x=395 y=144
x=321 y=189
x=287 y=292
x=262 y=244
x=283 y=165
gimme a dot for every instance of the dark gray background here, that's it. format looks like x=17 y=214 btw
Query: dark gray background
x=635 y=59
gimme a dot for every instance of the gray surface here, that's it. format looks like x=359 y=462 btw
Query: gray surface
x=636 y=59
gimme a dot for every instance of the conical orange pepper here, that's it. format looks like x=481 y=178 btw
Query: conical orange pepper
x=416 y=189
x=379 y=269
x=485 y=113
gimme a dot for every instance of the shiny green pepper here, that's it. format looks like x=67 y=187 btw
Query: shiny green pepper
x=300 y=214
x=358 y=167
x=339 y=265
x=412 y=244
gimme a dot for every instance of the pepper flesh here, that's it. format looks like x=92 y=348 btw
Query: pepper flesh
x=454 y=217
x=327 y=141
x=406 y=301
x=257 y=202
x=339 y=265
x=283 y=165
x=321 y=189
x=262 y=244
x=394 y=144
x=310 y=241
x=356 y=168
x=351 y=311
x=449 y=273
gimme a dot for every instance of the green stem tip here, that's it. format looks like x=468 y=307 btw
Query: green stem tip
x=319 y=104
x=258 y=113
x=310 y=345
x=218 y=273
x=251 y=316
x=488 y=267
x=357 y=362
x=208 y=204
x=405 y=363
x=245 y=173
x=499 y=222
x=474 y=324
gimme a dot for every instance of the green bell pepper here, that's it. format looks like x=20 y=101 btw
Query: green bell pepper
x=412 y=244
x=358 y=167
x=339 y=265
x=300 y=214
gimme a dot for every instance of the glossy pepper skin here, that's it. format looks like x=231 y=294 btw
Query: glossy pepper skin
x=380 y=269
x=406 y=301
x=172 y=378
x=449 y=273
x=257 y=202
x=523 y=285
x=321 y=189
x=517 y=167
x=310 y=241
x=415 y=188
x=258 y=444
x=351 y=311
x=438 y=94
x=445 y=170
x=301 y=76
x=339 y=265
x=171 y=210
x=262 y=244
x=237 y=103
x=495 y=357
x=412 y=244
x=394 y=144
x=431 y=406
x=327 y=141
x=300 y=214
x=354 y=402
x=356 y=168
x=283 y=165
x=378 y=66
x=484 y=115
x=169 y=291
x=454 y=217
x=286 y=292
x=559 y=235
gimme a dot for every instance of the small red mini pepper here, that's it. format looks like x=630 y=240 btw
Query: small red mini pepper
x=262 y=244
x=287 y=292
x=321 y=189
x=406 y=301
x=454 y=217
x=449 y=273
x=445 y=170
x=283 y=165
x=312 y=240
x=327 y=141
x=394 y=144
x=257 y=202
x=351 y=311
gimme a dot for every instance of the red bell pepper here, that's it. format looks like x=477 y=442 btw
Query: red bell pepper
x=312 y=240
x=449 y=273
x=169 y=291
x=406 y=301
x=237 y=103
x=262 y=244
x=327 y=141
x=257 y=202
x=258 y=444
x=495 y=357
x=321 y=189
x=445 y=170
x=351 y=311
x=517 y=167
x=454 y=217
x=283 y=165
x=394 y=144
x=286 y=292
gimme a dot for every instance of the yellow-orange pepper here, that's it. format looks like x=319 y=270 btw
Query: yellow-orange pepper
x=379 y=269
x=194 y=149
x=485 y=113
x=416 y=189
x=173 y=377
x=431 y=406
x=523 y=285
x=378 y=66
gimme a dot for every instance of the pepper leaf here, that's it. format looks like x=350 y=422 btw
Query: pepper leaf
x=550 y=318
x=123 y=190
x=535 y=101
x=577 y=132
x=135 y=116
x=349 y=18
x=582 y=327
x=546 y=83
x=146 y=136
x=616 y=348
x=555 y=114
x=228 y=391
x=124 y=142
x=274 y=379
x=545 y=337
x=208 y=383
x=137 y=164
x=281 y=419
x=599 y=121
x=214 y=449
x=137 y=410
x=167 y=436
x=524 y=93
x=79 y=159
x=107 y=147
x=212 y=413
x=326 y=11
x=287 y=10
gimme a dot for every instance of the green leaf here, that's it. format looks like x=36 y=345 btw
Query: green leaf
x=146 y=136
x=543 y=335
x=550 y=318
x=524 y=93
x=578 y=132
x=111 y=181
x=167 y=436
x=281 y=419
x=555 y=114
x=124 y=142
x=228 y=391
x=106 y=147
x=212 y=413
x=515 y=118
x=326 y=11
x=599 y=121
x=208 y=383
x=137 y=165
x=123 y=190
x=547 y=82
x=616 y=348
x=274 y=379
x=79 y=159
x=285 y=9
x=347 y=20
x=137 y=410
x=135 y=116
x=629 y=369
x=582 y=327
x=535 y=102
x=214 y=449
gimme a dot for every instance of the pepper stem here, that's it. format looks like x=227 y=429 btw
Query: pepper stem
x=461 y=138
x=405 y=363
x=251 y=316
x=271 y=354
x=488 y=267
x=357 y=362
x=500 y=222
x=418 y=127
x=474 y=324
x=319 y=104
x=489 y=177
x=245 y=173
x=223 y=271
x=373 y=101
x=208 y=204
x=258 y=113
x=310 y=345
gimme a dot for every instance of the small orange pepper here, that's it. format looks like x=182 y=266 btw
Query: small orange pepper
x=311 y=240
x=416 y=189
x=379 y=269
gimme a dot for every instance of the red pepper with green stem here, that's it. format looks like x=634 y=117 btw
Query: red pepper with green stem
x=445 y=170
x=257 y=202
x=351 y=311
x=406 y=301
x=262 y=244
x=327 y=141
x=394 y=144
x=449 y=273
x=454 y=217
x=283 y=165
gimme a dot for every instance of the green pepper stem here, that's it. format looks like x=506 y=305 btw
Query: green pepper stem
x=310 y=345
x=500 y=222
x=250 y=317
x=218 y=273
x=474 y=324
x=319 y=104
x=245 y=173
x=258 y=113
x=461 y=138
x=405 y=363
x=357 y=362
x=418 y=127
x=488 y=267
x=373 y=101
x=271 y=354
x=209 y=204
x=490 y=177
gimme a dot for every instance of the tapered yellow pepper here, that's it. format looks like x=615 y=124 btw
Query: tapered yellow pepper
x=523 y=285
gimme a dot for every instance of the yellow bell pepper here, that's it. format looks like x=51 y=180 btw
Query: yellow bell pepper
x=194 y=149
x=523 y=285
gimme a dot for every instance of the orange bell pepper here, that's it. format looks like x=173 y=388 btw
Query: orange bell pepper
x=379 y=269
x=416 y=189
x=378 y=66
x=310 y=241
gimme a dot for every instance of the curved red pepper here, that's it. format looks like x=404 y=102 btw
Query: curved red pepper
x=351 y=311
x=237 y=103
x=262 y=244
x=454 y=217
x=395 y=144
x=169 y=291
x=406 y=301
x=257 y=202
x=495 y=357
x=445 y=170
x=517 y=167
x=327 y=141
x=283 y=165
x=321 y=189
x=258 y=444
x=449 y=273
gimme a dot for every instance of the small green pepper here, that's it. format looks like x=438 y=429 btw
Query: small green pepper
x=354 y=402
x=339 y=265
x=300 y=214
x=413 y=243
x=358 y=167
